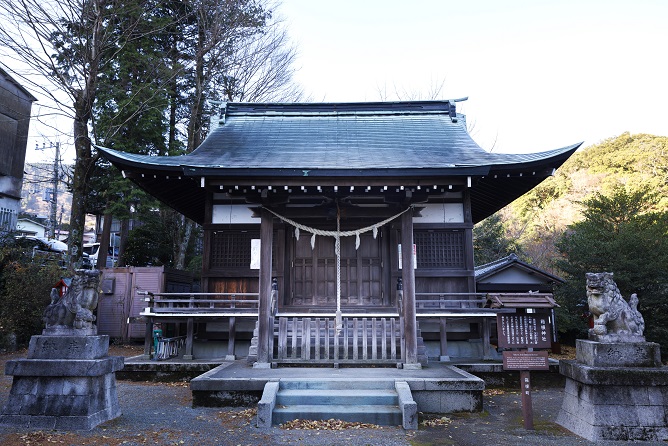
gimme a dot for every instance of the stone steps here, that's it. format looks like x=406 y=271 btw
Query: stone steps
x=366 y=401
x=383 y=415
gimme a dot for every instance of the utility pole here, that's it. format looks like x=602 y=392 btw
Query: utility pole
x=54 y=181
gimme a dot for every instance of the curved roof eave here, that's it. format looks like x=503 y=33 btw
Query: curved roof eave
x=188 y=165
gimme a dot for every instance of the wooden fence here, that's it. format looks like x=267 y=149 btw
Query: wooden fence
x=360 y=340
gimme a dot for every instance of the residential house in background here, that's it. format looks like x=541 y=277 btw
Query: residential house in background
x=25 y=226
x=15 y=105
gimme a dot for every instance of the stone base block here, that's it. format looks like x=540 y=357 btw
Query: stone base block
x=627 y=354
x=68 y=347
x=63 y=393
x=615 y=404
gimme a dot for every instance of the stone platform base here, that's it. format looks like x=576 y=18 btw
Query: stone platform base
x=53 y=390
x=627 y=354
x=615 y=403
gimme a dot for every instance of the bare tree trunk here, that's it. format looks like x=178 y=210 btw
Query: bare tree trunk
x=125 y=230
x=80 y=178
x=179 y=262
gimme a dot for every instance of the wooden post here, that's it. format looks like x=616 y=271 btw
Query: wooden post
x=231 y=340
x=188 y=356
x=444 y=340
x=486 y=329
x=264 y=306
x=148 y=338
x=408 y=280
x=527 y=408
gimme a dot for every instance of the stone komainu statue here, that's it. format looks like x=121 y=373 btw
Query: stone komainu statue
x=615 y=320
x=74 y=310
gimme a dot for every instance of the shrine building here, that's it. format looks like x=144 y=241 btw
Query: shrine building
x=335 y=232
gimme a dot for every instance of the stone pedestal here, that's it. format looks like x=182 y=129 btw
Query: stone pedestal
x=66 y=383
x=616 y=391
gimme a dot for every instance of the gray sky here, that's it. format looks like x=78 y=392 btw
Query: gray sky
x=539 y=74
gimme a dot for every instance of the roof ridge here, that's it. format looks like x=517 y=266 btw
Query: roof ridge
x=444 y=105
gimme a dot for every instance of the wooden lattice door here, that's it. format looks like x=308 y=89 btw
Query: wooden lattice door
x=314 y=272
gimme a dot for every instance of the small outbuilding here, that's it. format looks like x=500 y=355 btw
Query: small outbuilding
x=512 y=275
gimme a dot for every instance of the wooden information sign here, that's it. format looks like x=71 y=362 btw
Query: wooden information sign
x=524 y=360
x=523 y=330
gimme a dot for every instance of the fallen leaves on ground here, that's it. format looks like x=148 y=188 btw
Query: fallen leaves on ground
x=176 y=384
x=231 y=418
x=42 y=438
x=490 y=392
x=433 y=422
x=567 y=352
x=331 y=424
x=248 y=414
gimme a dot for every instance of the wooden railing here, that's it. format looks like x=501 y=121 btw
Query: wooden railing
x=202 y=303
x=456 y=302
x=360 y=340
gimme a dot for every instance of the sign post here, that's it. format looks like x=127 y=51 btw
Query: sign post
x=524 y=331
x=527 y=406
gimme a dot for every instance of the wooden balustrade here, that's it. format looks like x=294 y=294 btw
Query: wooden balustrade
x=202 y=303
x=360 y=340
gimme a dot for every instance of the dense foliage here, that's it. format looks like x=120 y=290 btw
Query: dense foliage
x=538 y=218
x=25 y=285
x=159 y=95
x=490 y=242
x=151 y=243
x=623 y=234
x=604 y=210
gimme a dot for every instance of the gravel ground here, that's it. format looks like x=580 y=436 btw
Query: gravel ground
x=161 y=414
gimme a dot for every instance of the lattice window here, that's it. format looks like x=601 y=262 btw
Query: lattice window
x=232 y=249
x=439 y=249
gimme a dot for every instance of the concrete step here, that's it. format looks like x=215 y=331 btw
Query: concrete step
x=384 y=402
x=384 y=415
x=351 y=397
x=365 y=401
x=336 y=384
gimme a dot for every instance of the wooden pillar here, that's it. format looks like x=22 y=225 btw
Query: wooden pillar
x=188 y=356
x=486 y=332
x=231 y=339
x=444 y=340
x=264 y=310
x=148 y=339
x=408 y=279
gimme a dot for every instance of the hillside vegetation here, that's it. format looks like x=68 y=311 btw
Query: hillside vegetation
x=537 y=219
x=606 y=209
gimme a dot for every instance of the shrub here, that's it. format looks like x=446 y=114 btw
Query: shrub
x=25 y=286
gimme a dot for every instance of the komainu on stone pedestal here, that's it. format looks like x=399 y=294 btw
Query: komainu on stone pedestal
x=68 y=380
x=617 y=387
x=72 y=313
x=615 y=320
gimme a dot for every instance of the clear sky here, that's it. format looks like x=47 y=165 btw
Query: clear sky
x=539 y=74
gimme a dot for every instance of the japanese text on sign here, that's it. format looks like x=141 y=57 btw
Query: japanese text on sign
x=523 y=330
x=525 y=361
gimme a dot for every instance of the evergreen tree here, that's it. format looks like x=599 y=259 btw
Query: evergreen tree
x=625 y=234
x=157 y=96
x=490 y=241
